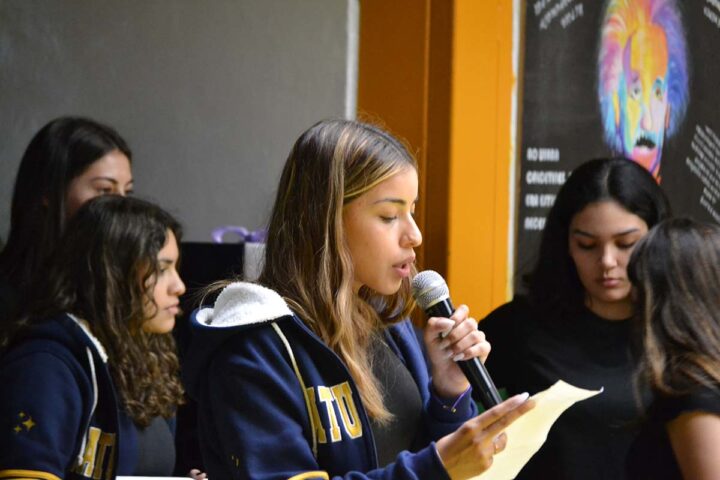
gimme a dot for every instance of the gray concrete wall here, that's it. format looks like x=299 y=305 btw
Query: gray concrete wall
x=209 y=94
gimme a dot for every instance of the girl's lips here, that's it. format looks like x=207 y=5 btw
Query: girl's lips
x=610 y=282
x=174 y=310
x=403 y=269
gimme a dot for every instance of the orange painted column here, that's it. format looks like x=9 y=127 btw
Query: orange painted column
x=481 y=154
x=439 y=74
x=404 y=84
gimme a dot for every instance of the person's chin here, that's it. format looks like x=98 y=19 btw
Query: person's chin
x=389 y=288
x=160 y=325
x=614 y=295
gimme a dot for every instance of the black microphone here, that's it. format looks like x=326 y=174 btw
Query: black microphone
x=433 y=295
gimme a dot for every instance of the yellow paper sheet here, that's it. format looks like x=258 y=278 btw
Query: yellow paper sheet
x=528 y=433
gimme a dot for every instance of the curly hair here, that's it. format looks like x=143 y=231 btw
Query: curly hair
x=103 y=271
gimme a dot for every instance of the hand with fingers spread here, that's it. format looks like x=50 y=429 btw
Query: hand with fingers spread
x=469 y=450
x=449 y=340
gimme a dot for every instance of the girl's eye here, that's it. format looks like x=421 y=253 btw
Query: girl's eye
x=387 y=219
x=584 y=246
x=626 y=246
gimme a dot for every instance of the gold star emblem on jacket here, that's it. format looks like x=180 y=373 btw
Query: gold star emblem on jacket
x=26 y=421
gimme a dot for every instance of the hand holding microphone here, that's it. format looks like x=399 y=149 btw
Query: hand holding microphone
x=432 y=295
x=470 y=449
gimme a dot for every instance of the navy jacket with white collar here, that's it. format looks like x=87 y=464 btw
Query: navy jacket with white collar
x=276 y=403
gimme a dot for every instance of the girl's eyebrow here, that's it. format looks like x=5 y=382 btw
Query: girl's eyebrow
x=583 y=233
x=399 y=201
x=111 y=180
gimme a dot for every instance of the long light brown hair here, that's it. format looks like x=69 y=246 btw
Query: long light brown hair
x=675 y=270
x=307 y=260
x=103 y=271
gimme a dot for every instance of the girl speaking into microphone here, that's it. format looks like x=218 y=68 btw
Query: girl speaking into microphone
x=316 y=371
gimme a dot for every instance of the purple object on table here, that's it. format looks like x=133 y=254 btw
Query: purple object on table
x=247 y=236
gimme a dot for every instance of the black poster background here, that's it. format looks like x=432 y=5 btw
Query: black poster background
x=561 y=122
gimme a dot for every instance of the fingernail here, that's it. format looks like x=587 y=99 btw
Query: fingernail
x=444 y=344
x=458 y=357
x=522 y=397
x=449 y=354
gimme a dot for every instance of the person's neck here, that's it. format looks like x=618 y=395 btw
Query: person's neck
x=611 y=311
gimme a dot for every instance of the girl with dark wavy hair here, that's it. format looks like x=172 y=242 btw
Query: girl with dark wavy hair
x=68 y=161
x=573 y=324
x=89 y=373
x=318 y=372
x=675 y=272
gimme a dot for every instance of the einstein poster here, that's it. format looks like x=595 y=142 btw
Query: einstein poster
x=636 y=78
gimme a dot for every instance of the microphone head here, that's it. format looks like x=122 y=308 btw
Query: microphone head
x=428 y=288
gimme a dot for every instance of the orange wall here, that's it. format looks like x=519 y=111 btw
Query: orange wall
x=480 y=154
x=439 y=74
x=404 y=83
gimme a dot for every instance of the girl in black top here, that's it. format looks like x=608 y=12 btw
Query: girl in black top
x=676 y=277
x=572 y=324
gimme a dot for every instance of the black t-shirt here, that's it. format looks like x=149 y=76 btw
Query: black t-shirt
x=652 y=456
x=531 y=350
x=402 y=399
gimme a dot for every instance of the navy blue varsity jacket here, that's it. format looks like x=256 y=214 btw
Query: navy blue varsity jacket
x=276 y=403
x=59 y=415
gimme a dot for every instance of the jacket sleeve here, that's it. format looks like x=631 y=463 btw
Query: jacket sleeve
x=40 y=415
x=260 y=424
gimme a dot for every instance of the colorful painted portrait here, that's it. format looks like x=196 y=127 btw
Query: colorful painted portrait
x=643 y=78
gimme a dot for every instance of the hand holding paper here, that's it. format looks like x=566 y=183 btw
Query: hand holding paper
x=528 y=433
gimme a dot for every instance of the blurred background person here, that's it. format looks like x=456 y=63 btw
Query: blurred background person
x=69 y=161
x=675 y=271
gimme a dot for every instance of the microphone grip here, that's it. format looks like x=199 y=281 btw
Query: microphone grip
x=473 y=369
x=481 y=382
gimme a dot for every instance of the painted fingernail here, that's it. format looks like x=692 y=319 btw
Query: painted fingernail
x=449 y=354
x=458 y=357
x=522 y=397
